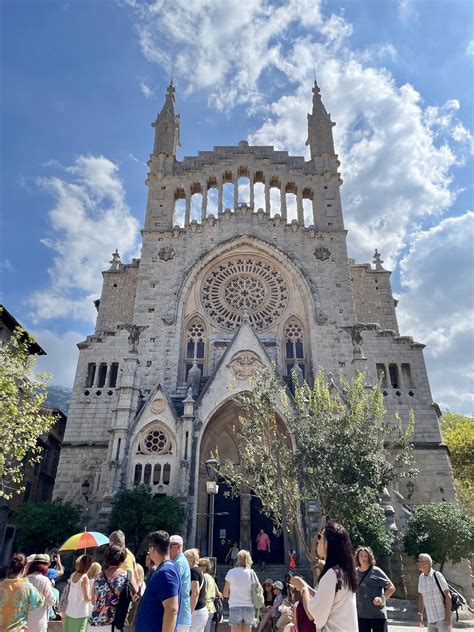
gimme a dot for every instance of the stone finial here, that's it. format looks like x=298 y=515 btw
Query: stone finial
x=115 y=261
x=167 y=124
x=377 y=260
x=135 y=332
x=320 y=139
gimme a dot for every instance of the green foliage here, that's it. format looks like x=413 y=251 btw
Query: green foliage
x=333 y=447
x=458 y=434
x=442 y=531
x=43 y=526
x=370 y=529
x=136 y=513
x=22 y=420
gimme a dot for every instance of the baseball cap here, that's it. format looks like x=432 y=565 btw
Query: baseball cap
x=278 y=585
x=176 y=539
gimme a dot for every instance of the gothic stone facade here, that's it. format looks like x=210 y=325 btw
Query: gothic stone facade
x=214 y=298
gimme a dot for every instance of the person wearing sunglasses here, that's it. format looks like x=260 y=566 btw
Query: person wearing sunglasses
x=332 y=605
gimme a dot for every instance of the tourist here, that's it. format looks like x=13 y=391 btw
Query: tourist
x=199 y=610
x=56 y=568
x=38 y=576
x=107 y=588
x=151 y=568
x=92 y=574
x=238 y=589
x=184 y=572
x=232 y=554
x=130 y=563
x=303 y=621
x=141 y=580
x=18 y=597
x=268 y=596
x=373 y=590
x=211 y=590
x=434 y=595
x=333 y=604
x=158 y=611
x=263 y=547
x=79 y=597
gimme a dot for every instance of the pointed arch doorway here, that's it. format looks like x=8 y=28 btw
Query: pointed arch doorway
x=236 y=519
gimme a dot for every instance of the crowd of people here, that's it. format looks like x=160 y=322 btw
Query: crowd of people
x=179 y=592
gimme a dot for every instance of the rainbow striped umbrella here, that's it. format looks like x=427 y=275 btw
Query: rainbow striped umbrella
x=84 y=540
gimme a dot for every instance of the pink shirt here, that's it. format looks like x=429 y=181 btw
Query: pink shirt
x=263 y=542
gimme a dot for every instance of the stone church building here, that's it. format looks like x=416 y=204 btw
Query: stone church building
x=244 y=263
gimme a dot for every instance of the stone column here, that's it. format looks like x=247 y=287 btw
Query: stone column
x=299 y=206
x=236 y=190
x=204 y=202
x=315 y=212
x=252 y=191
x=283 y=212
x=267 y=197
x=187 y=213
x=220 y=191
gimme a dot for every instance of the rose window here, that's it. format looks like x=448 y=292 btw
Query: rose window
x=244 y=286
x=154 y=442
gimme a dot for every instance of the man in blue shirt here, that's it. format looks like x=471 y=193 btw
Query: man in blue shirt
x=158 y=609
x=182 y=566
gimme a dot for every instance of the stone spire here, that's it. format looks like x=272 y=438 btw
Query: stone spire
x=167 y=127
x=320 y=126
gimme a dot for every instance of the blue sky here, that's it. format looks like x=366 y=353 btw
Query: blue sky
x=83 y=80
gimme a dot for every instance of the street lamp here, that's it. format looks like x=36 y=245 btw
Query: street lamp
x=85 y=489
x=212 y=488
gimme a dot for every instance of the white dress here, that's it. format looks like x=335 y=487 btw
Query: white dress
x=333 y=611
x=38 y=619
x=77 y=606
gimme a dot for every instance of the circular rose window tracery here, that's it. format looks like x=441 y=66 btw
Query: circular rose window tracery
x=154 y=442
x=244 y=286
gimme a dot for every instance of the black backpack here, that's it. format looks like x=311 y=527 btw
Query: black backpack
x=455 y=598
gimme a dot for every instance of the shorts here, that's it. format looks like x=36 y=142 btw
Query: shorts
x=242 y=615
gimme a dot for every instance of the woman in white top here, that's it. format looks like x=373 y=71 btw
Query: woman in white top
x=332 y=606
x=238 y=589
x=79 y=598
x=37 y=575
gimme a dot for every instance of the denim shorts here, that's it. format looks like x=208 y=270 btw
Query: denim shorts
x=242 y=615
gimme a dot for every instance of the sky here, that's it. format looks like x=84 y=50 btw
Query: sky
x=82 y=81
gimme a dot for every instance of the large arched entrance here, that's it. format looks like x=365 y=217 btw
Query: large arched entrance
x=236 y=519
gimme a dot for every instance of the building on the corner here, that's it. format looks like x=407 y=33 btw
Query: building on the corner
x=38 y=478
x=243 y=263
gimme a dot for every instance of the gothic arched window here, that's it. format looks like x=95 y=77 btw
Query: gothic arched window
x=195 y=346
x=294 y=346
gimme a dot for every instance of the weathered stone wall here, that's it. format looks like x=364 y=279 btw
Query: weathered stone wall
x=373 y=296
x=117 y=300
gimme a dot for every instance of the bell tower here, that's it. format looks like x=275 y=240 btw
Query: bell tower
x=167 y=127
x=320 y=139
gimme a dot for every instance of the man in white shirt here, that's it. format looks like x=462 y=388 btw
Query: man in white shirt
x=436 y=599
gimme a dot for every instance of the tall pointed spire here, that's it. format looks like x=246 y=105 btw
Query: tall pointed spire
x=167 y=127
x=320 y=139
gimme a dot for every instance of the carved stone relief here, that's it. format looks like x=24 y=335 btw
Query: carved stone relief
x=245 y=364
x=322 y=253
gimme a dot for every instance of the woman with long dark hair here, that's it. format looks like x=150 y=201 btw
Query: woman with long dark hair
x=333 y=604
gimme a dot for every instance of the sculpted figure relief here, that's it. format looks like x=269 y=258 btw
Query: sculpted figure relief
x=245 y=364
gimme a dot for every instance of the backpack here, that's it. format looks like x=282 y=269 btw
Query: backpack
x=219 y=613
x=455 y=598
x=258 y=597
x=62 y=605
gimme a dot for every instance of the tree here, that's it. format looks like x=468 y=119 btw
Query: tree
x=44 y=526
x=334 y=448
x=458 y=434
x=22 y=418
x=442 y=531
x=136 y=512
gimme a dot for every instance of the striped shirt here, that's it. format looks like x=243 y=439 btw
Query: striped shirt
x=432 y=598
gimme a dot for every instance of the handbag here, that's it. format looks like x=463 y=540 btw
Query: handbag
x=219 y=613
x=62 y=605
x=455 y=601
x=258 y=598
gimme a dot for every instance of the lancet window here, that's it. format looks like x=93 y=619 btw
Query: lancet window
x=294 y=346
x=196 y=346
x=153 y=457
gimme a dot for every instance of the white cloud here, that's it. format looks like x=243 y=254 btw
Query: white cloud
x=89 y=221
x=437 y=307
x=146 y=90
x=62 y=355
x=470 y=48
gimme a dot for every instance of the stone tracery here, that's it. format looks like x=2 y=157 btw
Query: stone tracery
x=244 y=286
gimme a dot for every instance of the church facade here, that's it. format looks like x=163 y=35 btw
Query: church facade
x=244 y=263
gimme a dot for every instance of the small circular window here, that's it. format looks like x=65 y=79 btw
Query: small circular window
x=155 y=442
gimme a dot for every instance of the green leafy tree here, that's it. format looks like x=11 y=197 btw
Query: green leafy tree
x=44 y=526
x=334 y=448
x=22 y=418
x=442 y=531
x=136 y=512
x=458 y=434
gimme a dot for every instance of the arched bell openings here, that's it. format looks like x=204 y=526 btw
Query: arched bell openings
x=195 y=346
x=153 y=458
x=294 y=351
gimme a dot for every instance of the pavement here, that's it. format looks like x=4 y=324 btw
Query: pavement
x=399 y=627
